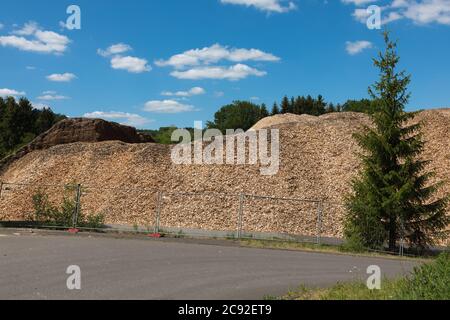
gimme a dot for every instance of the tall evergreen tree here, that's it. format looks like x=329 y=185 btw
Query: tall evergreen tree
x=331 y=108
x=298 y=105
x=285 y=105
x=292 y=105
x=309 y=105
x=275 y=109
x=319 y=106
x=393 y=198
x=264 y=111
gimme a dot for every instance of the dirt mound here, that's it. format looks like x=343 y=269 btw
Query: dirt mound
x=88 y=130
x=318 y=160
x=80 y=130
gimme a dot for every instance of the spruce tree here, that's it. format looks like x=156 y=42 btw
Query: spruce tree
x=285 y=105
x=292 y=105
x=319 y=106
x=275 y=109
x=393 y=197
x=298 y=108
x=264 y=112
x=330 y=108
x=309 y=105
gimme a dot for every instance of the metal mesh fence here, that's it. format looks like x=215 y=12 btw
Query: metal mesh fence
x=44 y=204
x=189 y=213
x=281 y=217
x=199 y=211
x=208 y=214
x=121 y=207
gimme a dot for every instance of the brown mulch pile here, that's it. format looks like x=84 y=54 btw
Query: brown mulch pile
x=122 y=180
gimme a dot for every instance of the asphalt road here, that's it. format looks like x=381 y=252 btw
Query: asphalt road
x=34 y=267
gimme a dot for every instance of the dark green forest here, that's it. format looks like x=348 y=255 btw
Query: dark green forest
x=244 y=114
x=20 y=123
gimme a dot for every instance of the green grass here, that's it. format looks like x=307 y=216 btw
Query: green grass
x=430 y=281
x=275 y=244
x=312 y=247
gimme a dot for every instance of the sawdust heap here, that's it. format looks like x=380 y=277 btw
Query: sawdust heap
x=317 y=162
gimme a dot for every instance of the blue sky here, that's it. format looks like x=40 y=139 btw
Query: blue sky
x=163 y=62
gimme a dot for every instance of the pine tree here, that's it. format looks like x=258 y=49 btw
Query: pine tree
x=319 y=106
x=309 y=105
x=275 y=109
x=285 y=105
x=298 y=105
x=264 y=112
x=393 y=197
x=331 y=108
x=292 y=105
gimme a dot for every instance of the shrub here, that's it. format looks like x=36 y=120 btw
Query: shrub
x=45 y=212
x=428 y=282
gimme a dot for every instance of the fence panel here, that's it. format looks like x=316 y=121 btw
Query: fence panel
x=130 y=208
x=333 y=216
x=43 y=204
x=280 y=218
x=196 y=212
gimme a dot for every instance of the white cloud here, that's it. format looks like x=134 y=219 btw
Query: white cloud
x=214 y=54
x=232 y=73
x=51 y=96
x=278 y=6
x=64 y=77
x=38 y=40
x=427 y=11
x=420 y=12
x=361 y=15
x=356 y=47
x=63 y=25
x=391 y=17
x=192 y=92
x=115 y=49
x=27 y=30
x=167 y=106
x=40 y=106
x=10 y=92
x=129 y=119
x=120 y=62
x=358 y=2
x=130 y=64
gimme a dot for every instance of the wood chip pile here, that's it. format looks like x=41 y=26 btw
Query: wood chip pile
x=122 y=180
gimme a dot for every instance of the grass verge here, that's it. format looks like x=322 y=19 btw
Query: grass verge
x=322 y=248
x=428 y=282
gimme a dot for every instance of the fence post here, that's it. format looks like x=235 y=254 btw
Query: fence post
x=402 y=239
x=77 y=206
x=240 y=213
x=319 y=221
x=158 y=211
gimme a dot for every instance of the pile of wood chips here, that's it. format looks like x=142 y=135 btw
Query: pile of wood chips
x=122 y=181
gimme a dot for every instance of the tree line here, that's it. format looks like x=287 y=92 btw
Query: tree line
x=245 y=114
x=20 y=123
